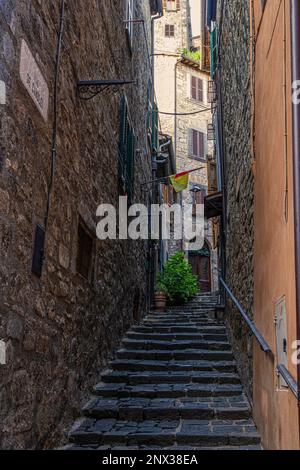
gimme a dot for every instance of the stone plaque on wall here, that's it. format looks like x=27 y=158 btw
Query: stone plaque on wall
x=33 y=80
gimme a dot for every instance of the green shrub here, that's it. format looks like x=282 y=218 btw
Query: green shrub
x=178 y=280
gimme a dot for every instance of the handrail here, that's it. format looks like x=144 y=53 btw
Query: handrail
x=289 y=379
x=281 y=369
x=262 y=342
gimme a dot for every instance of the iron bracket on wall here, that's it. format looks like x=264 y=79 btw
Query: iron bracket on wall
x=88 y=89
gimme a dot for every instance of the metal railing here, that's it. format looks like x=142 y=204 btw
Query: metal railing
x=262 y=342
x=289 y=379
x=281 y=369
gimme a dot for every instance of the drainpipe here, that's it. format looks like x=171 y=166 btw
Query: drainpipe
x=153 y=19
x=295 y=46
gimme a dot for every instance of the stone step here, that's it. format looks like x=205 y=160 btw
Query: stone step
x=173 y=385
x=164 y=355
x=175 y=448
x=191 y=308
x=139 y=409
x=186 y=366
x=183 y=323
x=181 y=319
x=134 y=378
x=164 y=390
x=161 y=433
x=146 y=345
x=212 y=329
x=177 y=336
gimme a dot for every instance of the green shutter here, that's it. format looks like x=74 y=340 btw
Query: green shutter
x=213 y=52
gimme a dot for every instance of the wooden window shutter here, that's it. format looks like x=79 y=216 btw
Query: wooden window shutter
x=177 y=4
x=200 y=145
x=197 y=89
x=164 y=4
x=194 y=87
x=200 y=90
x=190 y=142
x=197 y=144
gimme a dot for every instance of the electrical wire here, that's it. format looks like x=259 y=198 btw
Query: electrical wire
x=184 y=114
x=55 y=111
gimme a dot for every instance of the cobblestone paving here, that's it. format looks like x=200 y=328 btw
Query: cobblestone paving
x=173 y=385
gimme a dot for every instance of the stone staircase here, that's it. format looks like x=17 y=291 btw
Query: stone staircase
x=173 y=385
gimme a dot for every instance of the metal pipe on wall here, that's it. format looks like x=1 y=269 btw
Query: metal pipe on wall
x=295 y=46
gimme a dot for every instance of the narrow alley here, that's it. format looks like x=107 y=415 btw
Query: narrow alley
x=149 y=227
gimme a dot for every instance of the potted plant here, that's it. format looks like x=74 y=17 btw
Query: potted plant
x=160 y=296
x=177 y=280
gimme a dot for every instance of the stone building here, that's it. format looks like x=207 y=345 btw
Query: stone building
x=66 y=302
x=181 y=84
x=257 y=130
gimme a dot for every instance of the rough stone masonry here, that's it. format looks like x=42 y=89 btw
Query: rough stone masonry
x=59 y=329
x=236 y=96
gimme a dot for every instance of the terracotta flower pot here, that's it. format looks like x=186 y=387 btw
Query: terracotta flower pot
x=160 y=300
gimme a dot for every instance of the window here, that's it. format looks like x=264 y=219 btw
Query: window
x=129 y=18
x=126 y=151
x=196 y=145
x=197 y=89
x=169 y=30
x=171 y=5
x=84 y=251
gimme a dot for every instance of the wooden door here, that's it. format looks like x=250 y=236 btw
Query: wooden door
x=201 y=268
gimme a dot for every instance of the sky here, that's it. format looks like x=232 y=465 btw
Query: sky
x=195 y=12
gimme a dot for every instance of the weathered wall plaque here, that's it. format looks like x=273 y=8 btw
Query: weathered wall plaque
x=33 y=80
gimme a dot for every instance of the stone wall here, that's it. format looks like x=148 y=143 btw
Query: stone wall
x=239 y=182
x=60 y=330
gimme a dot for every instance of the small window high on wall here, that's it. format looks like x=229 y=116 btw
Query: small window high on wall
x=196 y=145
x=197 y=89
x=171 y=5
x=169 y=30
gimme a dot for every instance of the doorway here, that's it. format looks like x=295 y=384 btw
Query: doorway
x=201 y=266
